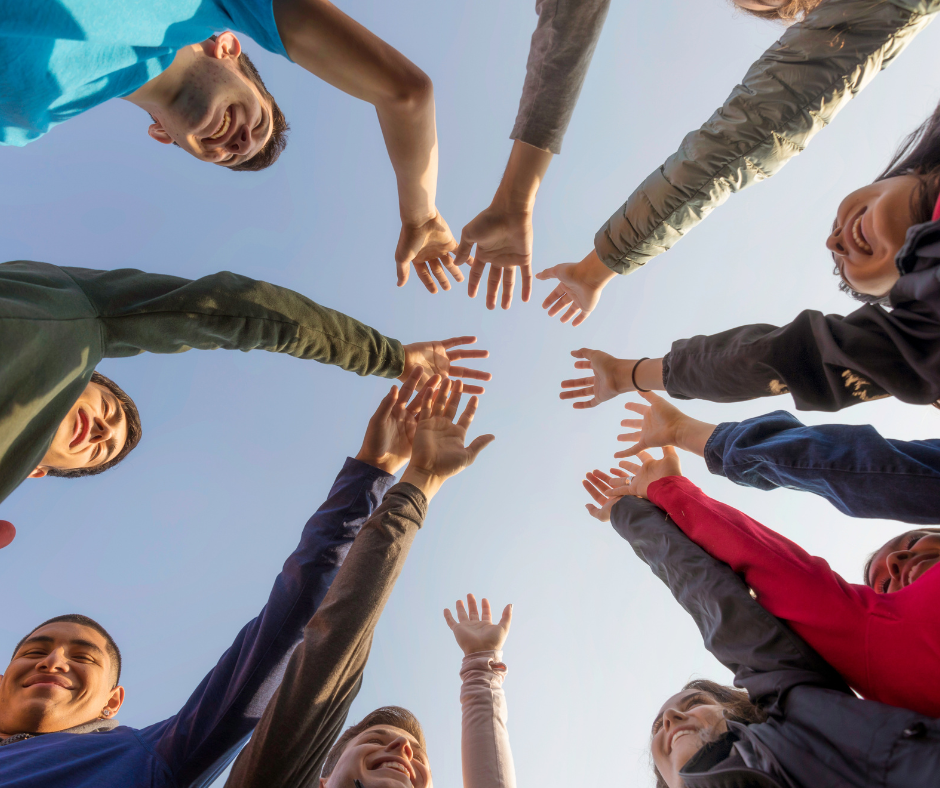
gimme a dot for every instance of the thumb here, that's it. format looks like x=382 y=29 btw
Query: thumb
x=404 y=268
x=388 y=402
x=650 y=396
x=463 y=249
x=479 y=444
x=506 y=619
x=548 y=273
x=449 y=618
x=669 y=452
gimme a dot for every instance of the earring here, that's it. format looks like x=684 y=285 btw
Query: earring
x=107 y=712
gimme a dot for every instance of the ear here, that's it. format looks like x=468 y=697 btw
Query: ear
x=225 y=45
x=115 y=701
x=157 y=132
x=38 y=472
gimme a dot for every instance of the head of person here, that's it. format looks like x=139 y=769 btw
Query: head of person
x=903 y=560
x=100 y=430
x=66 y=672
x=777 y=10
x=872 y=222
x=215 y=106
x=693 y=717
x=386 y=749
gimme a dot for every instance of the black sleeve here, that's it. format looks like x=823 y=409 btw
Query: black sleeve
x=765 y=655
x=827 y=362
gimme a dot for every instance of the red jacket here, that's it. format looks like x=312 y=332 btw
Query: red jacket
x=886 y=646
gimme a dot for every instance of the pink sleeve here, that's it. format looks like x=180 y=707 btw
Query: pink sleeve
x=487 y=759
x=829 y=613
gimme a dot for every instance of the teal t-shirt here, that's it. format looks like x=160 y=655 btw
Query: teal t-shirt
x=59 y=58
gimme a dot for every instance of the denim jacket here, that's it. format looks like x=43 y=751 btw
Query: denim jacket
x=852 y=467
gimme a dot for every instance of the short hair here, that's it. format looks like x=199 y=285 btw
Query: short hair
x=275 y=145
x=789 y=12
x=919 y=155
x=76 y=618
x=393 y=716
x=735 y=703
x=134 y=432
x=867 y=568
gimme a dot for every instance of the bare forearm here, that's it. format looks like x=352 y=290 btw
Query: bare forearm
x=525 y=171
x=692 y=435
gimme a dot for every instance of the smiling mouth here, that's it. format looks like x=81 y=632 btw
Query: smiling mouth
x=917 y=570
x=393 y=765
x=81 y=426
x=223 y=126
x=858 y=235
x=677 y=735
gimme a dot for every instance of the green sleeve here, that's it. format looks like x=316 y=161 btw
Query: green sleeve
x=140 y=312
x=788 y=96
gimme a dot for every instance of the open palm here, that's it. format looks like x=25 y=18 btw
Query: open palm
x=606 y=382
x=475 y=632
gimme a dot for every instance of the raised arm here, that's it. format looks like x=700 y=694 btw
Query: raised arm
x=337 y=49
x=851 y=466
x=764 y=654
x=324 y=674
x=485 y=752
x=198 y=742
x=791 y=93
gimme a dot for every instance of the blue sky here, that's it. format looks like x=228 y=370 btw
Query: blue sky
x=177 y=549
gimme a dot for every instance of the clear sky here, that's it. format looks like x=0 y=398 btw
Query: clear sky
x=177 y=549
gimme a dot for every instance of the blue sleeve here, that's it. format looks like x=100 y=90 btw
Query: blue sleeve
x=205 y=736
x=850 y=466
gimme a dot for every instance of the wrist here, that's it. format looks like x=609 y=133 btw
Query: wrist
x=415 y=217
x=524 y=173
x=386 y=464
x=648 y=375
x=593 y=272
x=692 y=435
x=429 y=483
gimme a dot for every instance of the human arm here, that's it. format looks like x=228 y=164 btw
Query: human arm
x=764 y=654
x=485 y=751
x=826 y=362
x=337 y=49
x=663 y=424
x=851 y=466
x=202 y=738
x=324 y=674
x=611 y=376
x=791 y=93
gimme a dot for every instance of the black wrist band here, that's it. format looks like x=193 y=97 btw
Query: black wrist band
x=633 y=374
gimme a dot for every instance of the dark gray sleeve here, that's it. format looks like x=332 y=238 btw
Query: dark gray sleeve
x=324 y=674
x=559 y=57
x=764 y=654
x=827 y=362
x=789 y=95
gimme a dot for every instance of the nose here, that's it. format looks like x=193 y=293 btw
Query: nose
x=896 y=563
x=54 y=662
x=241 y=142
x=834 y=241
x=671 y=718
x=403 y=745
x=100 y=431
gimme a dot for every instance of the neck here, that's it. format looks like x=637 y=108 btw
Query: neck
x=162 y=89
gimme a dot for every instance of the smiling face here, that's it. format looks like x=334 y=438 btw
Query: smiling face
x=685 y=723
x=903 y=560
x=869 y=230
x=60 y=676
x=381 y=757
x=93 y=432
x=213 y=110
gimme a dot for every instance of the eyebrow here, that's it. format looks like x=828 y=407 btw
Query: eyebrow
x=412 y=742
x=75 y=642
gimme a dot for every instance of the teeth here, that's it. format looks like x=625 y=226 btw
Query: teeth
x=394 y=765
x=857 y=235
x=226 y=120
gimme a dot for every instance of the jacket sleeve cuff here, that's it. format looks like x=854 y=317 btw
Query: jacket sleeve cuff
x=487 y=666
x=715 y=447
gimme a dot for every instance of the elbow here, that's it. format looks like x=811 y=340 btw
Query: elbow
x=412 y=92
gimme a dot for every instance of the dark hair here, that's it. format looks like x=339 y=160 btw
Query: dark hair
x=393 y=716
x=918 y=154
x=279 y=126
x=131 y=417
x=735 y=703
x=76 y=618
x=868 y=562
x=789 y=12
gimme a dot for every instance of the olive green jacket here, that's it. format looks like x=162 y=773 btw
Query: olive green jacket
x=56 y=324
x=794 y=91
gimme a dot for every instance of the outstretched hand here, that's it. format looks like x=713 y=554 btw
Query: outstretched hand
x=391 y=430
x=504 y=242
x=438 y=450
x=434 y=358
x=428 y=247
x=611 y=377
x=660 y=426
x=651 y=470
x=475 y=632
x=579 y=288
x=606 y=491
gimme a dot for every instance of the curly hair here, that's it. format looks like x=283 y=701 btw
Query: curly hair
x=788 y=12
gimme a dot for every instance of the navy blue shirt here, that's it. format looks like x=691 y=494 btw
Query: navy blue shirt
x=852 y=467
x=195 y=745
